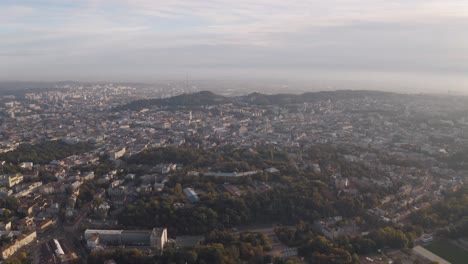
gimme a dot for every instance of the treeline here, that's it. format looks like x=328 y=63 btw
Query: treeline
x=45 y=152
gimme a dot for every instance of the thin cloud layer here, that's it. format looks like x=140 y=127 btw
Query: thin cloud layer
x=143 y=39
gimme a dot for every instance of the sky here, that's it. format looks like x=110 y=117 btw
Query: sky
x=412 y=42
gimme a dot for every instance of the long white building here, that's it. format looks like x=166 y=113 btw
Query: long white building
x=155 y=238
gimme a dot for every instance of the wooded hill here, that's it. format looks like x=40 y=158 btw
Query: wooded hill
x=206 y=98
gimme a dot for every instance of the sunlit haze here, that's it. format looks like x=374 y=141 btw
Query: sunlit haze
x=420 y=45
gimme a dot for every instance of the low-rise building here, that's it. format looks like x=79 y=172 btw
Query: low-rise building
x=191 y=194
x=11 y=180
x=21 y=241
x=155 y=238
x=117 y=154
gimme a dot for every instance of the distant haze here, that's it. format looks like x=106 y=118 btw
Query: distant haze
x=399 y=44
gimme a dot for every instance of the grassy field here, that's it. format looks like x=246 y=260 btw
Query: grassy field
x=448 y=251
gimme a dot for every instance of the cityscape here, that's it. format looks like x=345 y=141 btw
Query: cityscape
x=233 y=132
x=93 y=172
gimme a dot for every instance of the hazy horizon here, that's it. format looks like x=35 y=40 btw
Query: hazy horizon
x=420 y=45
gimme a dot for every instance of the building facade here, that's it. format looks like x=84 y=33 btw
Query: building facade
x=155 y=238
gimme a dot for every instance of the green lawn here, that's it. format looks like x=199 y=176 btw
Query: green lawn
x=448 y=251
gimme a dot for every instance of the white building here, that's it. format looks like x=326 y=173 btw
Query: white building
x=117 y=154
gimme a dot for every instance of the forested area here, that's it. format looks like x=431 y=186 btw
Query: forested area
x=296 y=195
x=318 y=249
x=209 y=98
x=458 y=160
x=292 y=200
x=45 y=152
x=227 y=247
x=449 y=217
x=225 y=159
x=219 y=247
